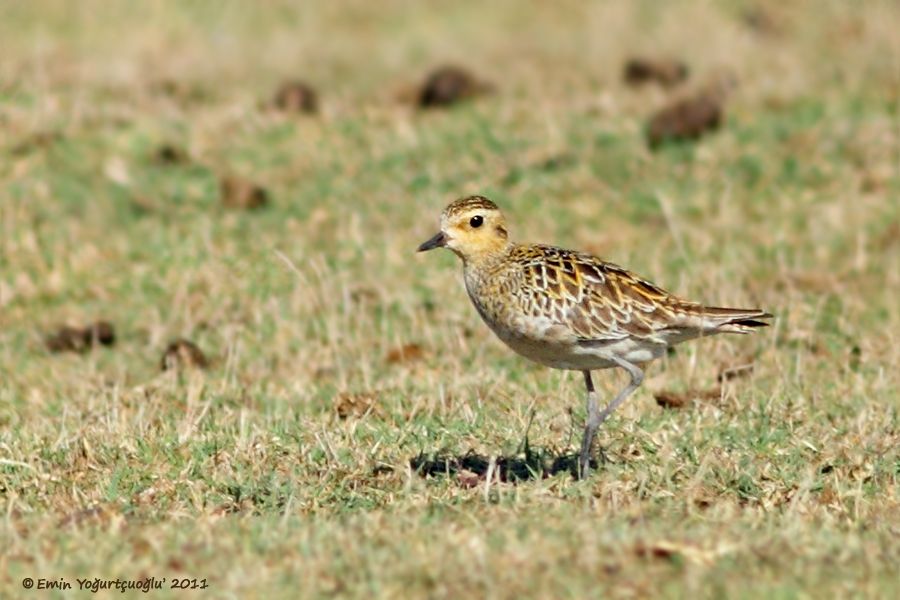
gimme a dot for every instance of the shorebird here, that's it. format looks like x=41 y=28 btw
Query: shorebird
x=570 y=310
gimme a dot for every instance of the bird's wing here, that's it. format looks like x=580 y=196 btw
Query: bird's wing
x=599 y=302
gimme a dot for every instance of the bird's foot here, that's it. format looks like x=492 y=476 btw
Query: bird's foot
x=586 y=463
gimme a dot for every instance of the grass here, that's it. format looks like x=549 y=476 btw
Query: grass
x=285 y=469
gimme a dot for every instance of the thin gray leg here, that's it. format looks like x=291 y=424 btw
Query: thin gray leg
x=590 y=426
x=637 y=377
x=596 y=417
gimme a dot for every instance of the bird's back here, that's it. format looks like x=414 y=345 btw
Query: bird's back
x=570 y=297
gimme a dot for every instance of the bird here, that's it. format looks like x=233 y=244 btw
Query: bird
x=570 y=310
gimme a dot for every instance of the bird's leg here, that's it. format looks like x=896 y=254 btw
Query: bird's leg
x=637 y=377
x=590 y=427
x=595 y=417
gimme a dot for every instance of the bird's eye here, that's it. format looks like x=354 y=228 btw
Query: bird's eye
x=476 y=221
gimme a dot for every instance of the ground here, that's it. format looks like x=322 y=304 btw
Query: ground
x=359 y=432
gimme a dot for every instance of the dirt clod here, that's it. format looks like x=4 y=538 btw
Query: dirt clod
x=296 y=96
x=691 y=117
x=92 y=514
x=354 y=405
x=468 y=479
x=666 y=72
x=37 y=141
x=685 y=120
x=169 y=154
x=672 y=399
x=405 y=353
x=729 y=372
x=183 y=354
x=450 y=84
x=763 y=20
x=67 y=338
x=239 y=193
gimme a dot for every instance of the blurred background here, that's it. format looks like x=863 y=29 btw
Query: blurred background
x=213 y=324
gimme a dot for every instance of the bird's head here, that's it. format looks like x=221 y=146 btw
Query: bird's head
x=473 y=227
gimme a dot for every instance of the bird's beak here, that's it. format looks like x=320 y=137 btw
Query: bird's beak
x=439 y=240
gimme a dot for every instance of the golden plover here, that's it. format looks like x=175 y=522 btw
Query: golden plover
x=570 y=310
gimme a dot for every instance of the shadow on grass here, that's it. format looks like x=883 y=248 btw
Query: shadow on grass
x=470 y=468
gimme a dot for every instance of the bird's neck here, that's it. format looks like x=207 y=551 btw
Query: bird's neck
x=487 y=256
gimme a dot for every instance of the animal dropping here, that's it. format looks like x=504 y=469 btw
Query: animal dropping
x=183 y=354
x=296 y=96
x=169 y=154
x=355 y=405
x=670 y=399
x=691 y=117
x=666 y=72
x=81 y=339
x=450 y=84
x=239 y=193
x=405 y=353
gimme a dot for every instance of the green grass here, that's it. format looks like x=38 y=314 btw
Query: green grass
x=785 y=484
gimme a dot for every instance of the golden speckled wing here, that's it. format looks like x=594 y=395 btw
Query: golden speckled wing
x=597 y=301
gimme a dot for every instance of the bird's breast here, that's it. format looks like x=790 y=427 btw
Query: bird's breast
x=536 y=337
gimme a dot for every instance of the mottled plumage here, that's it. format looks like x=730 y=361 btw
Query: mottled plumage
x=571 y=310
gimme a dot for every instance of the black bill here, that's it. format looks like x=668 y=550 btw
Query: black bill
x=438 y=241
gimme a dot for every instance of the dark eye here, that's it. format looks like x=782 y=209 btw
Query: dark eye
x=476 y=221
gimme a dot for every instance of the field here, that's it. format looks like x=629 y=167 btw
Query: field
x=359 y=432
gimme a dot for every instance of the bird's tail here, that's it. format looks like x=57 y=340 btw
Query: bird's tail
x=733 y=320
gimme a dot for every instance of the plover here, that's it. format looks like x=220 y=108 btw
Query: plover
x=570 y=310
